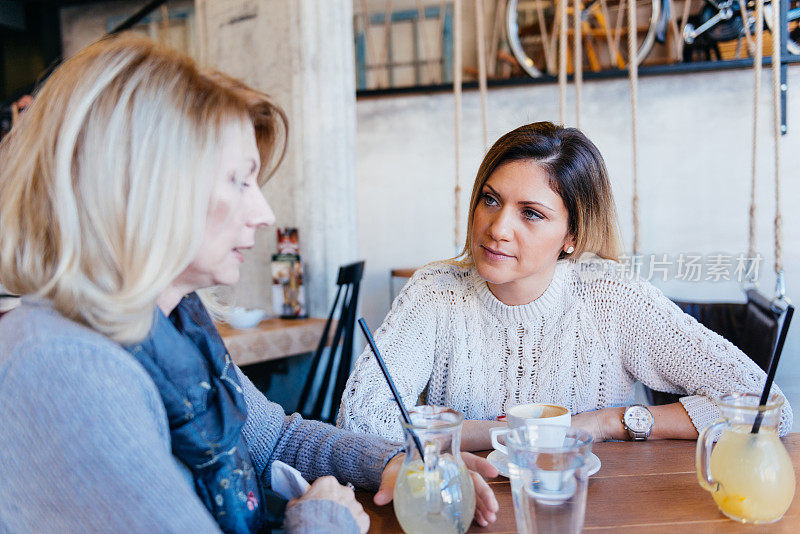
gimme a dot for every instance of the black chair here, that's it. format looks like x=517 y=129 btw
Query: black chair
x=331 y=368
x=754 y=326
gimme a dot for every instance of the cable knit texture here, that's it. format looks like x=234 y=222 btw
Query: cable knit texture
x=85 y=443
x=582 y=344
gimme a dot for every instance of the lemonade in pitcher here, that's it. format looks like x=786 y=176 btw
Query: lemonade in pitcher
x=434 y=495
x=448 y=516
x=750 y=476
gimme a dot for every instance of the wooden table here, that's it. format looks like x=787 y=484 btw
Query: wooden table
x=273 y=339
x=403 y=273
x=642 y=487
x=406 y=273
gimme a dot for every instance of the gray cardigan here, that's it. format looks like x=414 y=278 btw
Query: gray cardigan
x=85 y=443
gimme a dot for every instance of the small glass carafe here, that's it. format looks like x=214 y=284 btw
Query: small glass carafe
x=434 y=494
x=749 y=475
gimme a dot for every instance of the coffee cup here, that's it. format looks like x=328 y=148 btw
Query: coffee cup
x=533 y=414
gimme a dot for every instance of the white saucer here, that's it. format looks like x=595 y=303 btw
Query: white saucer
x=500 y=461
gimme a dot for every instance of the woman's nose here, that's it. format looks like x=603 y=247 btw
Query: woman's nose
x=261 y=213
x=500 y=226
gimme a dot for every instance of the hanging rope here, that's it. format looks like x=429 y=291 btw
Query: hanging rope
x=440 y=30
x=482 y=71
x=371 y=49
x=747 y=37
x=547 y=43
x=163 y=34
x=578 y=61
x=562 y=61
x=612 y=40
x=202 y=33
x=757 y=59
x=497 y=33
x=387 y=43
x=633 y=75
x=426 y=43
x=776 y=123
x=677 y=35
x=684 y=19
x=457 y=98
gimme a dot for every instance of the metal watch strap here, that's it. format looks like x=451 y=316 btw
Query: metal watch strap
x=635 y=436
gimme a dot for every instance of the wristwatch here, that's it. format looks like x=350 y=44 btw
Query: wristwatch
x=638 y=422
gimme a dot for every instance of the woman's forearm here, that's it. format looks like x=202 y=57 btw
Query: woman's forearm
x=671 y=422
x=475 y=434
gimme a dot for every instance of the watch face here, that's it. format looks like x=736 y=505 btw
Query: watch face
x=638 y=419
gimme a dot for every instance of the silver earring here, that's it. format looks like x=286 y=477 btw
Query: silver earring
x=570 y=250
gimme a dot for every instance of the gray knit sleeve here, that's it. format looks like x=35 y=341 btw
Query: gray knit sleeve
x=85 y=444
x=319 y=516
x=316 y=449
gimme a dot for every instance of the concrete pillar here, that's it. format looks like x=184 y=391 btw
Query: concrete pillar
x=301 y=53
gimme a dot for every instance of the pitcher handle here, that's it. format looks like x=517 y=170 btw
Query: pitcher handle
x=496 y=432
x=433 y=479
x=703 y=458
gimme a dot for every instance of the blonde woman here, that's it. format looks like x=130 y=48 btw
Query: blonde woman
x=132 y=181
x=518 y=320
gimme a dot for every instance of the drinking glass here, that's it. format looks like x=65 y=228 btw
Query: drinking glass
x=434 y=494
x=549 y=477
x=750 y=476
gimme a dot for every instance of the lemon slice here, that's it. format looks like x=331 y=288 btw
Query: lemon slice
x=417 y=480
x=734 y=504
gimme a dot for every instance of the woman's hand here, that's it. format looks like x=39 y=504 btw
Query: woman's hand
x=602 y=424
x=328 y=489
x=486 y=506
x=386 y=490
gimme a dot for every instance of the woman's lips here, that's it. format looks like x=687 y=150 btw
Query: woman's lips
x=237 y=251
x=495 y=255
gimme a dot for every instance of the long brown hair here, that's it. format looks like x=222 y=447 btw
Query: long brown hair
x=577 y=173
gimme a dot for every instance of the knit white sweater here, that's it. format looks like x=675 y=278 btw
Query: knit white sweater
x=582 y=344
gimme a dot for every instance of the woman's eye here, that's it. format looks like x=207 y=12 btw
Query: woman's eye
x=489 y=200
x=240 y=182
x=532 y=215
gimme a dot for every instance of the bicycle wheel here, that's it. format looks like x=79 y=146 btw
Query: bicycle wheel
x=533 y=33
x=791 y=45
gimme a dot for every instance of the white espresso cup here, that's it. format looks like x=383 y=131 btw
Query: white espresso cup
x=532 y=414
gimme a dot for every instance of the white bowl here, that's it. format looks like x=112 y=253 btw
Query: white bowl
x=242 y=318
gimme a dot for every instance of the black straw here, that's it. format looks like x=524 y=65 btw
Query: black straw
x=773 y=366
x=403 y=411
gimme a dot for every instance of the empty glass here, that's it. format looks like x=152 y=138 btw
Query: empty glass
x=549 y=478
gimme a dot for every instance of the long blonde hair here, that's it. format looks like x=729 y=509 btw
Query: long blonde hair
x=577 y=173
x=106 y=179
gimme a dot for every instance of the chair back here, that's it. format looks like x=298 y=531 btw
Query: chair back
x=331 y=368
x=754 y=326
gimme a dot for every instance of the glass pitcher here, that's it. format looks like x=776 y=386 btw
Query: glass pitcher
x=749 y=475
x=434 y=494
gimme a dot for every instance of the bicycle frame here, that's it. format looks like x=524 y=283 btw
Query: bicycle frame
x=725 y=11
